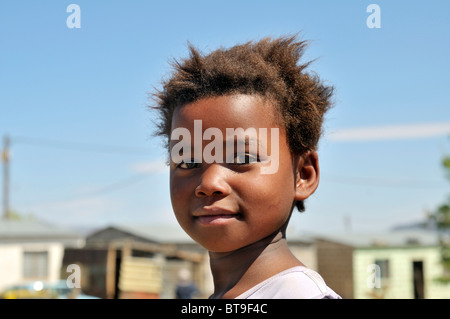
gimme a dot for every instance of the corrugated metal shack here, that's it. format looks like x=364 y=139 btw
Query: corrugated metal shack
x=137 y=262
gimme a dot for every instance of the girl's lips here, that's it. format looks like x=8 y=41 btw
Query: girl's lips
x=216 y=219
x=215 y=215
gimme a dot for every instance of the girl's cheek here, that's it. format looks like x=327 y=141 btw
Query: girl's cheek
x=180 y=190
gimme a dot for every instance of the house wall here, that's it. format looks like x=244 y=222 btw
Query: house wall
x=334 y=264
x=10 y=265
x=12 y=259
x=399 y=285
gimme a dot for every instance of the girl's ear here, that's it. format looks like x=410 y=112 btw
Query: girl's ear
x=306 y=175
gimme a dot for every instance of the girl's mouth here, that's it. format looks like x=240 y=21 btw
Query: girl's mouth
x=217 y=219
x=213 y=215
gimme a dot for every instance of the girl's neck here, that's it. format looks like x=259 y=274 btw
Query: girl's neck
x=237 y=271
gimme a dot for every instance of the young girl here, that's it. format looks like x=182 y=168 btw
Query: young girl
x=242 y=127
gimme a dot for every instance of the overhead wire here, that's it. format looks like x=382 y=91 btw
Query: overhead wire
x=78 y=146
x=382 y=182
x=117 y=149
x=98 y=192
x=89 y=147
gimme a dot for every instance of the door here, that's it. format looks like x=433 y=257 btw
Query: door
x=418 y=282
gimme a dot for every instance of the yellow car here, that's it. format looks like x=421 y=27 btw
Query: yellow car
x=32 y=290
x=42 y=290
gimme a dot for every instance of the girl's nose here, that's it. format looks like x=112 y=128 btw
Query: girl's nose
x=213 y=182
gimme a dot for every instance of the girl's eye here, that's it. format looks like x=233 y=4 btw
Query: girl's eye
x=188 y=165
x=245 y=159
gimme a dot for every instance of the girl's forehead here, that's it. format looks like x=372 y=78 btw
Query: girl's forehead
x=230 y=110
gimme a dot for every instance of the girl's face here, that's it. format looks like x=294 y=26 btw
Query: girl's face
x=228 y=204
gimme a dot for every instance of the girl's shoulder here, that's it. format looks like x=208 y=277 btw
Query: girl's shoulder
x=294 y=283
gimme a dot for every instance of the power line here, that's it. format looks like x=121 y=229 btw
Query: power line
x=116 y=149
x=382 y=182
x=115 y=186
x=75 y=146
x=100 y=191
x=80 y=146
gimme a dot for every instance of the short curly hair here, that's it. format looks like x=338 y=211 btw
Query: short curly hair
x=269 y=68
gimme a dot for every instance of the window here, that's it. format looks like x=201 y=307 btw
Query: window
x=384 y=268
x=35 y=264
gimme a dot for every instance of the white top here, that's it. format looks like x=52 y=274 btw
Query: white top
x=293 y=283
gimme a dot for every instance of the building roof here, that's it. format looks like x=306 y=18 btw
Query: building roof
x=400 y=238
x=145 y=232
x=20 y=231
x=175 y=234
x=160 y=233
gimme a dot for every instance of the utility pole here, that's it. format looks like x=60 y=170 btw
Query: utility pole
x=5 y=159
x=348 y=223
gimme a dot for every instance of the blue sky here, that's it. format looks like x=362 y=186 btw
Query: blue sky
x=73 y=102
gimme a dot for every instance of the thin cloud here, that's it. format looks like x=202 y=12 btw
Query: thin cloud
x=391 y=132
x=157 y=166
